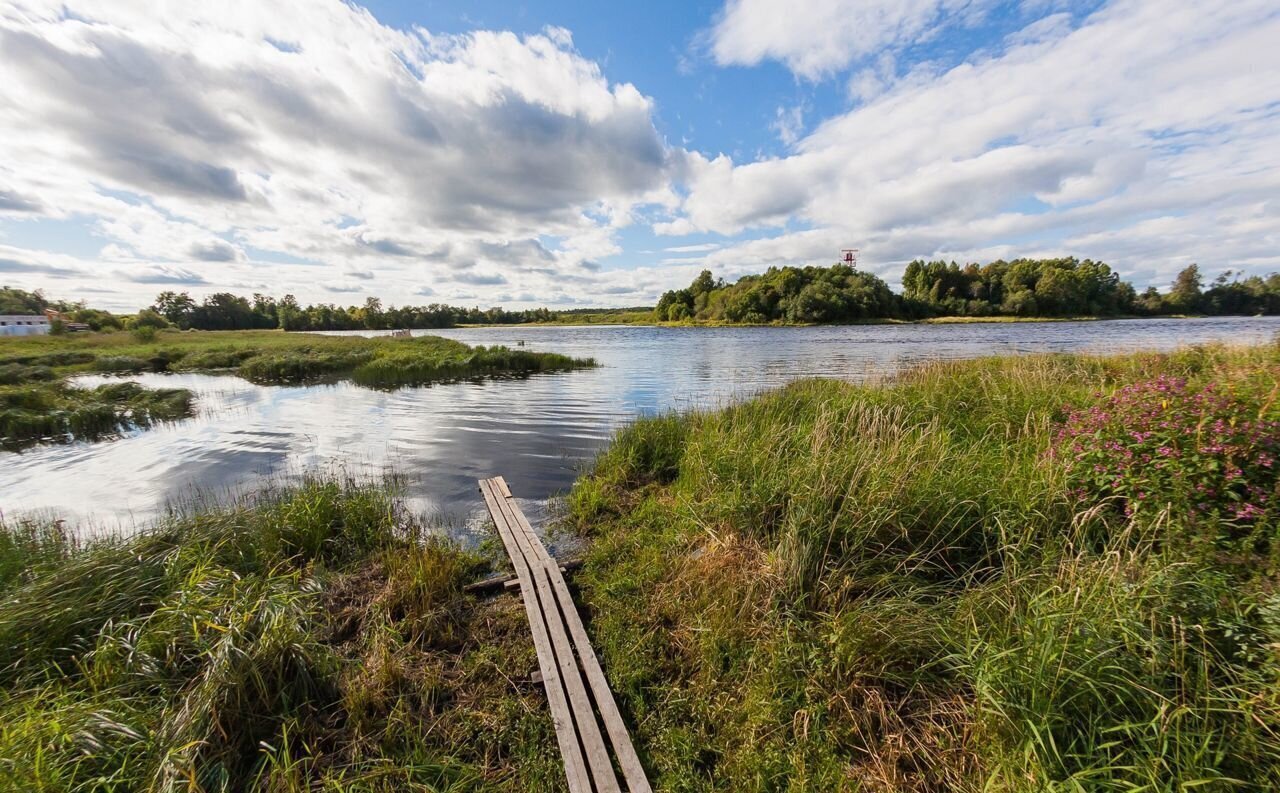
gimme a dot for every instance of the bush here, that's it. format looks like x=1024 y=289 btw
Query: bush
x=1196 y=451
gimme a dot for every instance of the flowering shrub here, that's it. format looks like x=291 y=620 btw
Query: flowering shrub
x=1204 y=453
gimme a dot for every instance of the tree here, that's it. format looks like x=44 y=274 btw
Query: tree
x=703 y=284
x=148 y=318
x=177 y=307
x=20 y=301
x=1186 y=292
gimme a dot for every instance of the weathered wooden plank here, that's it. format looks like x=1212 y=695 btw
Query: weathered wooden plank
x=562 y=719
x=632 y=770
x=588 y=729
x=510 y=581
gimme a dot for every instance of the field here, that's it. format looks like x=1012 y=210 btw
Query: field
x=37 y=404
x=1045 y=573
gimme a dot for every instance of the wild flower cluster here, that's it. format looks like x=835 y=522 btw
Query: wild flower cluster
x=1203 y=452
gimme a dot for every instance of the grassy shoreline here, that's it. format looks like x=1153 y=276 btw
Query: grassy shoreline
x=903 y=587
x=36 y=403
x=910 y=586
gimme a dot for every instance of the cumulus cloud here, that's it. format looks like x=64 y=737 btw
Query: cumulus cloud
x=815 y=38
x=1144 y=135
x=311 y=130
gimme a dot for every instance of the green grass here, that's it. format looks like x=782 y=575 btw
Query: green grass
x=312 y=638
x=892 y=587
x=43 y=410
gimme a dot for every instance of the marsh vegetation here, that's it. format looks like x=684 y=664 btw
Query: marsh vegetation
x=37 y=402
x=311 y=638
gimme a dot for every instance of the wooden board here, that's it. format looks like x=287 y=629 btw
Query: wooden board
x=566 y=735
x=570 y=654
x=633 y=772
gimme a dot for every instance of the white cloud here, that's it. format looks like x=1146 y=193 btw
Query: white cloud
x=814 y=38
x=1143 y=136
x=789 y=124
x=206 y=137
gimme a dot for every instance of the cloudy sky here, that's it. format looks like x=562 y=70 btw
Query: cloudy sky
x=552 y=153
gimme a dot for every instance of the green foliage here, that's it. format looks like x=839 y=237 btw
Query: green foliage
x=836 y=587
x=20 y=301
x=1022 y=287
x=225 y=311
x=788 y=294
x=1065 y=287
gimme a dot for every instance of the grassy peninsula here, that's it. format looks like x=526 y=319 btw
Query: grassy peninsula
x=36 y=401
x=1046 y=573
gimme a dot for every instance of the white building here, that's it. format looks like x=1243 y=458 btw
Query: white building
x=23 y=324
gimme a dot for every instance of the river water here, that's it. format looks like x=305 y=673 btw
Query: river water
x=538 y=432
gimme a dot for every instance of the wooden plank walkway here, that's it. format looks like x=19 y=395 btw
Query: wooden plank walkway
x=576 y=688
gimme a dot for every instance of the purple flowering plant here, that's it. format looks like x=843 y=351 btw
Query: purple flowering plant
x=1208 y=452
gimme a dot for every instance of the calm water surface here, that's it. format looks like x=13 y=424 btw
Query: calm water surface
x=537 y=432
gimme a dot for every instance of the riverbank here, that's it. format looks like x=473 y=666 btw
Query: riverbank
x=921 y=585
x=1016 y=574
x=37 y=402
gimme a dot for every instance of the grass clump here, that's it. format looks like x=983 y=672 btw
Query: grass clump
x=55 y=411
x=907 y=586
x=310 y=638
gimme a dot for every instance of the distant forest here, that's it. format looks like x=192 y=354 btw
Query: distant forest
x=796 y=295
x=1019 y=288
x=225 y=311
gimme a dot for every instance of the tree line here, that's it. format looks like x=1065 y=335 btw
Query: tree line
x=1022 y=288
x=225 y=311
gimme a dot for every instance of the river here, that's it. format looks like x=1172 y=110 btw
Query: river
x=538 y=432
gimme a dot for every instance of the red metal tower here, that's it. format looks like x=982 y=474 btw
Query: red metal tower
x=850 y=256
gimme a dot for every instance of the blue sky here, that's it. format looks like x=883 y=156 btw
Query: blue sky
x=579 y=154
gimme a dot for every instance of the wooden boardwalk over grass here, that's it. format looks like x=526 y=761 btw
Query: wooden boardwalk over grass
x=577 y=691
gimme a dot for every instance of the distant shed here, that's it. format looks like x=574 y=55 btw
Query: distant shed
x=23 y=325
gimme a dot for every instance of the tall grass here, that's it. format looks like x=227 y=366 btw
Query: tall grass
x=53 y=410
x=894 y=587
x=313 y=638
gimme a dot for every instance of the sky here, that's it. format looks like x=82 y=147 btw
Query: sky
x=571 y=154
